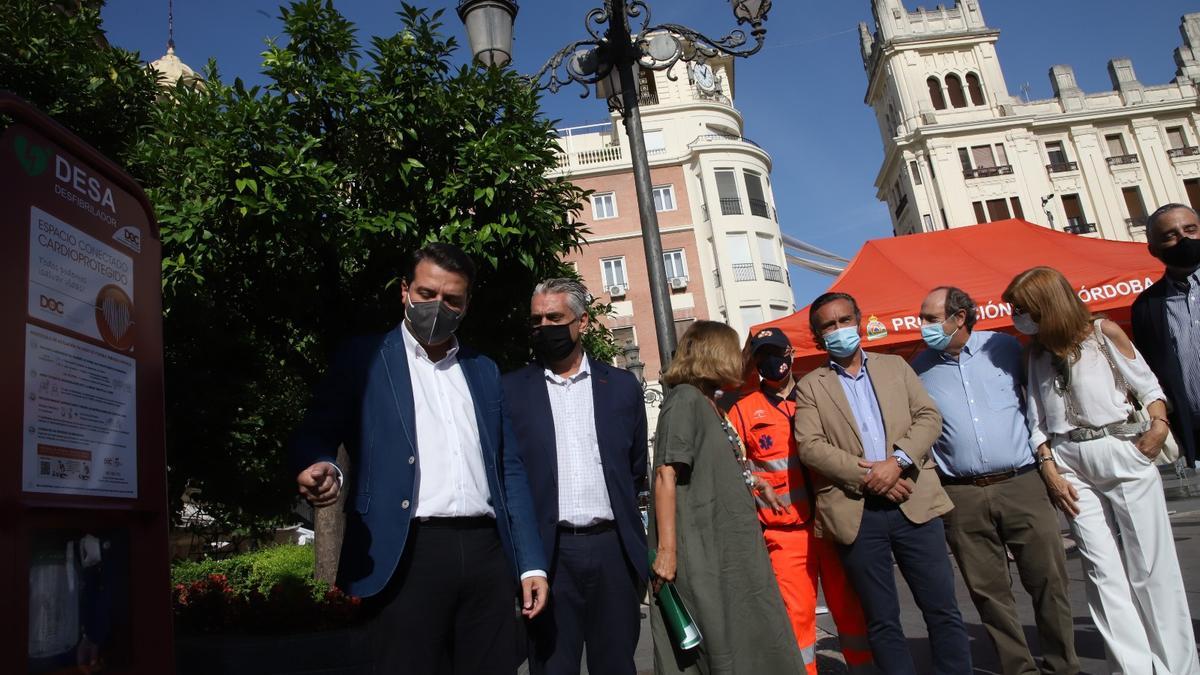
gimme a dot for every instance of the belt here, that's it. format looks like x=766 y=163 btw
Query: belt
x=1116 y=429
x=457 y=523
x=602 y=526
x=986 y=479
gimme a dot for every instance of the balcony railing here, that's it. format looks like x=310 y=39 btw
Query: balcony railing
x=731 y=206
x=759 y=207
x=1118 y=160
x=728 y=138
x=901 y=205
x=744 y=272
x=1079 y=227
x=773 y=273
x=988 y=171
x=604 y=155
x=1061 y=167
x=1189 y=151
x=1134 y=223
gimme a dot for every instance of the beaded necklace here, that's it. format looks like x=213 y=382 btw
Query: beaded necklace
x=735 y=444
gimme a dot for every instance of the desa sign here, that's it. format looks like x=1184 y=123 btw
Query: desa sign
x=78 y=179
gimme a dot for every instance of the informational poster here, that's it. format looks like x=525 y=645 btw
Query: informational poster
x=80 y=417
x=79 y=282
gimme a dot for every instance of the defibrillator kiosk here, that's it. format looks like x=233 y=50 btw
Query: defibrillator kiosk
x=83 y=530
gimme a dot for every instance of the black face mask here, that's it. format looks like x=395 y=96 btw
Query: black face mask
x=552 y=343
x=774 y=368
x=1185 y=254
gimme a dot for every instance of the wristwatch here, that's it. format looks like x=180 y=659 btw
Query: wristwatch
x=904 y=463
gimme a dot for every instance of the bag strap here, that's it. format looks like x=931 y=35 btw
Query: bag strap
x=1118 y=378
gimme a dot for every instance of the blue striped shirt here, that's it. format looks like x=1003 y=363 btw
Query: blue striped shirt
x=1183 y=320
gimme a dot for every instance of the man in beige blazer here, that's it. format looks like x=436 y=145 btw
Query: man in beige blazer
x=865 y=425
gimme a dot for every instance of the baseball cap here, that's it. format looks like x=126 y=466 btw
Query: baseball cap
x=772 y=337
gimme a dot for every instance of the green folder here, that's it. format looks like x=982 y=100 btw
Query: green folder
x=680 y=624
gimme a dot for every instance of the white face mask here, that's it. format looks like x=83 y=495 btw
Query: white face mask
x=1025 y=324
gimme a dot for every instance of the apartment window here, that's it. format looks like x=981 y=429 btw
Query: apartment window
x=1076 y=221
x=954 y=85
x=984 y=160
x=1055 y=153
x=932 y=171
x=656 y=142
x=613 y=272
x=915 y=170
x=664 y=198
x=727 y=192
x=779 y=311
x=1176 y=138
x=752 y=315
x=755 y=194
x=682 y=326
x=975 y=89
x=1192 y=186
x=1135 y=206
x=928 y=220
x=675 y=264
x=996 y=209
x=1116 y=145
x=935 y=93
x=604 y=205
x=770 y=259
x=647 y=87
x=739 y=256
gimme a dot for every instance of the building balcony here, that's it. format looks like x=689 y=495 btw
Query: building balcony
x=988 y=171
x=724 y=138
x=1189 y=151
x=773 y=273
x=760 y=208
x=744 y=272
x=1062 y=167
x=586 y=158
x=1079 y=227
x=731 y=206
x=1135 y=223
x=1120 y=160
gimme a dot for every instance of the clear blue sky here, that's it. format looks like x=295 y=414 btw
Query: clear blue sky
x=802 y=96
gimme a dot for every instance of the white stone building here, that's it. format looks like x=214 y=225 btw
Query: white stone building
x=723 y=250
x=959 y=149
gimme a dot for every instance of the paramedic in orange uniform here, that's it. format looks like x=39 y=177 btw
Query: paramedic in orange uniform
x=764 y=421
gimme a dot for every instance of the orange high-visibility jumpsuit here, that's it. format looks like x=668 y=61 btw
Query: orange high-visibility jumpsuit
x=799 y=558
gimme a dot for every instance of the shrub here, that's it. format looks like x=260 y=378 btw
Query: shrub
x=266 y=591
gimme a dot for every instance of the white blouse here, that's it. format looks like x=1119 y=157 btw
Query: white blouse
x=1097 y=401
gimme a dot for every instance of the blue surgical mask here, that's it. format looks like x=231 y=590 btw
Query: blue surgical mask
x=935 y=336
x=842 y=342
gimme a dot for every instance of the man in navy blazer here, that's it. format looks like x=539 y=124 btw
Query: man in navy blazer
x=581 y=427
x=1164 y=319
x=439 y=518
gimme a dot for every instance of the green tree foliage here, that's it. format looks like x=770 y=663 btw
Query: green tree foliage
x=288 y=213
x=54 y=55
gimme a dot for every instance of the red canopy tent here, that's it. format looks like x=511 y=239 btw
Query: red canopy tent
x=890 y=277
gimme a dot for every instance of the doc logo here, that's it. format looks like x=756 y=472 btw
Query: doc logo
x=50 y=304
x=130 y=237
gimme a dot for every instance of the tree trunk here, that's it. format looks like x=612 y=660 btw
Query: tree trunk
x=329 y=525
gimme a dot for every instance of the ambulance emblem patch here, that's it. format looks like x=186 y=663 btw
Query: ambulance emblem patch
x=875 y=328
x=766 y=442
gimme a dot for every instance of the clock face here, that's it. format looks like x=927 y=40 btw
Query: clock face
x=703 y=75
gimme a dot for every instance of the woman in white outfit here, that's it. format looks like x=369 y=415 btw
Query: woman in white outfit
x=1099 y=465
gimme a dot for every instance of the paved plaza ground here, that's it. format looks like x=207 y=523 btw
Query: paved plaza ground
x=1183 y=496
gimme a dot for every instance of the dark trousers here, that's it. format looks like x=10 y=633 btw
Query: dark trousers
x=920 y=553
x=1016 y=514
x=450 y=607
x=594 y=599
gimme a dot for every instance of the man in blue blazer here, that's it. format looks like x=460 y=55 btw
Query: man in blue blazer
x=439 y=518
x=1164 y=319
x=581 y=427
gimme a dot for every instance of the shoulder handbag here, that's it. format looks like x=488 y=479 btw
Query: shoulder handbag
x=1170 y=449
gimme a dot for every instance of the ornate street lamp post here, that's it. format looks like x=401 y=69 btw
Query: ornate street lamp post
x=619 y=51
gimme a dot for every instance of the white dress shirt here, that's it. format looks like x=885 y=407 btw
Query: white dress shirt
x=451 y=475
x=582 y=491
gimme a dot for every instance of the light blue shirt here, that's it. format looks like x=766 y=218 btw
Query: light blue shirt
x=983 y=413
x=1183 y=321
x=865 y=407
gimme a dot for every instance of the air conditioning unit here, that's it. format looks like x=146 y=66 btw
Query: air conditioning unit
x=616 y=291
x=678 y=282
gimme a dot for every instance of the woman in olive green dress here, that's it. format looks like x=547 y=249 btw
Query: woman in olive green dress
x=704 y=527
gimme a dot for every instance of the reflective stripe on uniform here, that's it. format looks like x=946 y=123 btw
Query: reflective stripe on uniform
x=809 y=654
x=786 y=499
x=770 y=465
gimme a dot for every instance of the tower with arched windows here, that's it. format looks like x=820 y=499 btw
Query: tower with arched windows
x=959 y=149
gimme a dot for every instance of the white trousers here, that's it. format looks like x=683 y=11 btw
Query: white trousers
x=1134 y=588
